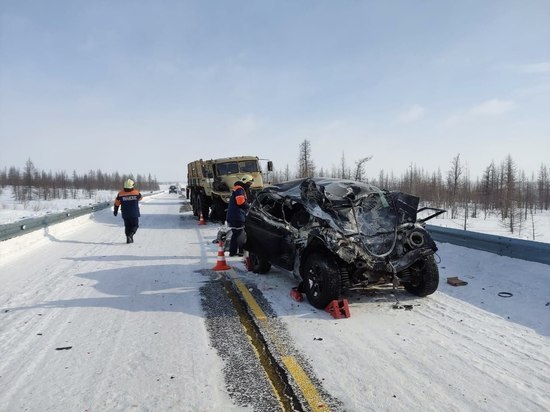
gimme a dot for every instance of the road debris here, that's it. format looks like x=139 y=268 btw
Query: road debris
x=455 y=281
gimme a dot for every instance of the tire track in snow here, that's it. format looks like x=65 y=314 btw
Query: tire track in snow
x=500 y=354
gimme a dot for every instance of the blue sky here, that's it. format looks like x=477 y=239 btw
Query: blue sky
x=147 y=86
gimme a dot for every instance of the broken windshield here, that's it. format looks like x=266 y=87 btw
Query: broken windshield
x=377 y=222
x=349 y=207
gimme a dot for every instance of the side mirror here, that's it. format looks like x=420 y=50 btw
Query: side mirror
x=270 y=166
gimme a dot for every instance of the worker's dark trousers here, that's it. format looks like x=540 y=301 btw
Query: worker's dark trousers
x=235 y=246
x=131 y=225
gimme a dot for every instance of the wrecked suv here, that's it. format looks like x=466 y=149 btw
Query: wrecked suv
x=335 y=234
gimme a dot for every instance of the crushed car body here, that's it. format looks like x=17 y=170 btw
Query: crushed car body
x=335 y=234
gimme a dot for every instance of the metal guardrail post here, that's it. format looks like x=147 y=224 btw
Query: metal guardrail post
x=500 y=245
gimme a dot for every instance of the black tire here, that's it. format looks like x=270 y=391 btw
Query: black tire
x=193 y=202
x=424 y=277
x=258 y=264
x=218 y=210
x=203 y=206
x=321 y=279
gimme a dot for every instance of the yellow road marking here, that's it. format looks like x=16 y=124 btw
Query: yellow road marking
x=247 y=296
x=308 y=389
x=313 y=398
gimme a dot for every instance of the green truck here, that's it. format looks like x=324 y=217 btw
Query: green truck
x=210 y=182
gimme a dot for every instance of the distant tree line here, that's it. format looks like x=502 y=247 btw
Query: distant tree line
x=32 y=183
x=503 y=189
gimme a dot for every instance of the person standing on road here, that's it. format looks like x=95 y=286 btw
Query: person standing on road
x=236 y=213
x=129 y=199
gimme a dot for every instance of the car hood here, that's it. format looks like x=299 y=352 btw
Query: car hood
x=354 y=209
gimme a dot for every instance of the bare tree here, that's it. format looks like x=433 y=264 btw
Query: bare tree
x=306 y=167
x=543 y=188
x=287 y=173
x=488 y=188
x=453 y=183
x=359 y=168
x=29 y=181
x=343 y=167
x=509 y=179
x=14 y=179
x=466 y=196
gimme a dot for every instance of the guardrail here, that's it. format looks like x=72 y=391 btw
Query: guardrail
x=504 y=246
x=24 y=226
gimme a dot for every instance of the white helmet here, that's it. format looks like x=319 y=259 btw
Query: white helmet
x=129 y=184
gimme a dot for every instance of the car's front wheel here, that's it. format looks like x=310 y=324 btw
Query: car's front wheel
x=424 y=277
x=258 y=264
x=321 y=279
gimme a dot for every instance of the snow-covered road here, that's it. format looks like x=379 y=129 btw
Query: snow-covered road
x=88 y=322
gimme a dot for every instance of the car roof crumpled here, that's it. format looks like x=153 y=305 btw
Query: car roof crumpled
x=316 y=188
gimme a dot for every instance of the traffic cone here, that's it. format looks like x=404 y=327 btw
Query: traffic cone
x=201 y=220
x=221 y=264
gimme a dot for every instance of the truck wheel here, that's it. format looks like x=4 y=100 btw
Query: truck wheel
x=258 y=264
x=218 y=210
x=321 y=279
x=424 y=277
x=195 y=204
x=203 y=206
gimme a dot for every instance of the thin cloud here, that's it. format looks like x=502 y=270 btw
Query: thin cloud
x=245 y=125
x=536 y=68
x=413 y=114
x=493 y=107
x=539 y=89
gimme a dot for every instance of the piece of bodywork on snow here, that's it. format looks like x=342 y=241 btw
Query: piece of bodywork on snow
x=335 y=234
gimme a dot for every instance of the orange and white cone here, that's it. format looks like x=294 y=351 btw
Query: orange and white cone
x=201 y=220
x=221 y=264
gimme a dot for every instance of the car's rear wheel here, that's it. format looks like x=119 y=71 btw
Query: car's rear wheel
x=321 y=279
x=424 y=277
x=258 y=264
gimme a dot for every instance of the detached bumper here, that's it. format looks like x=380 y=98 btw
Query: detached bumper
x=410 y=257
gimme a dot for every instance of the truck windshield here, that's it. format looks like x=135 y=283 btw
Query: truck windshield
x=230 y=168
x=248 y=166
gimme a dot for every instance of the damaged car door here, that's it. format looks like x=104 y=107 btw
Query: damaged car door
x=269 y=239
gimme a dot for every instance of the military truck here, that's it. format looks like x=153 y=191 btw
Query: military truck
x=209 y=183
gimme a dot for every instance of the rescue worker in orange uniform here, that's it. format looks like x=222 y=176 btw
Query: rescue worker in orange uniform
x=236 y=213
x=128 y=199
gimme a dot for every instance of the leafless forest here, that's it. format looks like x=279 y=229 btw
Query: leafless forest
x=504 y=190
x=32 y=183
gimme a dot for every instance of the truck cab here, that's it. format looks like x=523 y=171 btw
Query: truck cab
x=210 y=183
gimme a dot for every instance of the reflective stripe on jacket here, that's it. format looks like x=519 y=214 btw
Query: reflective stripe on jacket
x=129 y=201
x=238 y=205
